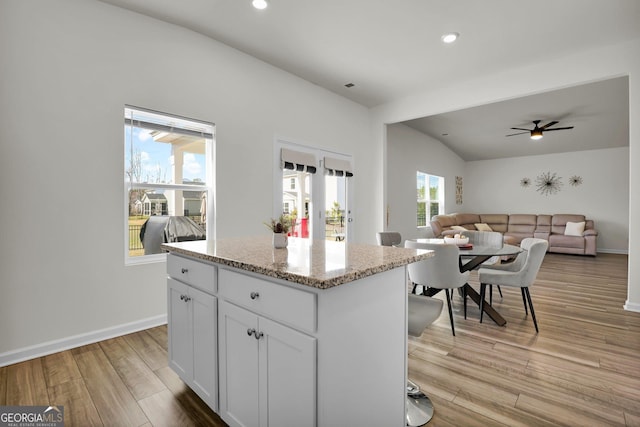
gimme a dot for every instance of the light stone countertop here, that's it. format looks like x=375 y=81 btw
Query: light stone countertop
x=320 y=264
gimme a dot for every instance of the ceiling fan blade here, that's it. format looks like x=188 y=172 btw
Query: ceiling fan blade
x=519 y=133
x=549 y=130
x=548 y=125
x=528 y=130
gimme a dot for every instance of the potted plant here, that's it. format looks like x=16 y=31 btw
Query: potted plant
x=280 y=228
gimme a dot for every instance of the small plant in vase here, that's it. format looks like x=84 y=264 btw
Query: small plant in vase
x=280 y=228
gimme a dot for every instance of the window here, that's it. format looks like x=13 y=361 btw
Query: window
x=430 y=197
x=168 y=174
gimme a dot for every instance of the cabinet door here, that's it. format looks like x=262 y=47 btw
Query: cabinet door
x=180 y=333
x=205 y=360
x=287 y=361
x=238 y=351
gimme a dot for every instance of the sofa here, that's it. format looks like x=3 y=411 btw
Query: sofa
x=566 y=233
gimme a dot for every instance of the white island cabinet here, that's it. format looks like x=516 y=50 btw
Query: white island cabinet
x=192 y=314
x=311 y=335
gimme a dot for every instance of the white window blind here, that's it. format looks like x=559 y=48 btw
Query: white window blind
x=337 y=167
x=298 y=161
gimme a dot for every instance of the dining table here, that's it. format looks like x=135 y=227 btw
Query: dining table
x=475 y=255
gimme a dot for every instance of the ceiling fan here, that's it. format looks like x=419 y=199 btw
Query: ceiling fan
x=536 y=132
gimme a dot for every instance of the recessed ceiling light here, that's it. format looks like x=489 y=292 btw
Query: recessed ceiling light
x=259 y=4
x=450 y=37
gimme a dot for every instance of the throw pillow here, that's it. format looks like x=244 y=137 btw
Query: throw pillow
x=483 y=227
x=574 y=229
x=458 y=228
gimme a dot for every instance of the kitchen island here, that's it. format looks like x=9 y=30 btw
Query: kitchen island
x=311 y=335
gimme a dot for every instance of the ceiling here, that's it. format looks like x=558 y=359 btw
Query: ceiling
x=599 y=113
x=392 y=49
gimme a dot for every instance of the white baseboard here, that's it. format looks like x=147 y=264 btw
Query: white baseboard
x=55 y=346
x=613 y=251
x=632 y=306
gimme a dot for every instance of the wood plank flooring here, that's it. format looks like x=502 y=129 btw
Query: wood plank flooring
x=123 y=381
x=582 y=369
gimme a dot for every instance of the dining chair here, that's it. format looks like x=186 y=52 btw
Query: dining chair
x=423 y=311
x=389 y=238
x=441 y=271
x=485 y=238
x=521 y=273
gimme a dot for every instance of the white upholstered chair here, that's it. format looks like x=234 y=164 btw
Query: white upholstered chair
x=441 y=271
x=521 y=273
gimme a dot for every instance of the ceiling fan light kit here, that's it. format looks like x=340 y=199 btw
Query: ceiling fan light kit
x=538 y=131
x=536 y=135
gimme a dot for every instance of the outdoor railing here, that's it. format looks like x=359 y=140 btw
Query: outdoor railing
x=134 y=233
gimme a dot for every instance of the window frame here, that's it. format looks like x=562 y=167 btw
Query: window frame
x=208 y=187
x=427 y=199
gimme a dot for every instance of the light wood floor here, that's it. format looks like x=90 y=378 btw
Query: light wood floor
x=582 y=369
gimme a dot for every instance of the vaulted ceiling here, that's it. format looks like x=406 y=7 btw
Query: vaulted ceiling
x=391 y=49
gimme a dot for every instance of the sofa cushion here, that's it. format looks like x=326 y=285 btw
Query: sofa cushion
x=467 y=220
x=497 y=222
x=562 y=241
x=543 y=223
x=522 y=223
x=559 y=222
x=445 y=220
x=481 y=226
x=574 y=228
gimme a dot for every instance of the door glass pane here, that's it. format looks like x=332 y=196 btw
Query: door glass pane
x=335 y=207
x=296 y=198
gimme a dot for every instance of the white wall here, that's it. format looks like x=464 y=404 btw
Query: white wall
x=409 y=151
x=541 y=76
x=68 y=67
x=494 y=186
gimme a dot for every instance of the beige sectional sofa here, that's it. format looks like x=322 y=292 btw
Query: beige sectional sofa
x=515 y=227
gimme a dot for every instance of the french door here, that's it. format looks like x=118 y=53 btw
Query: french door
x=315 y=193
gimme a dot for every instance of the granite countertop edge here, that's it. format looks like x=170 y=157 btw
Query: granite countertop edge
x=307 y=280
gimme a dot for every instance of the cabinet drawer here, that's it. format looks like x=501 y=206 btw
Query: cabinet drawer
x=278 y=302
x=191 y=272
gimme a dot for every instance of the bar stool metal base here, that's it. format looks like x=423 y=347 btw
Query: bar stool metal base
x=419 y=409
